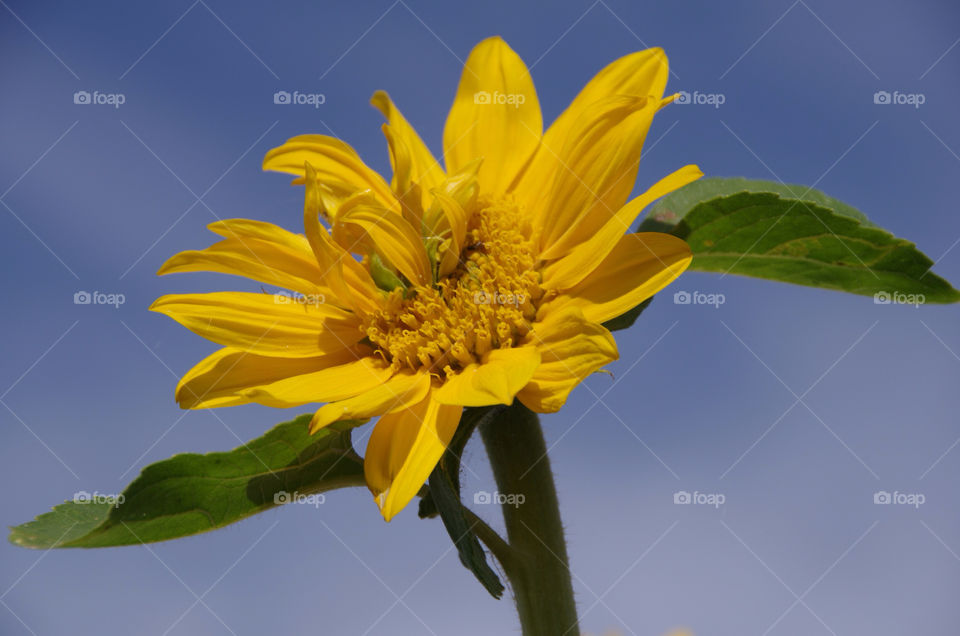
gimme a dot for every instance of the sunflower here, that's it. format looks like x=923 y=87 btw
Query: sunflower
x=473 y=284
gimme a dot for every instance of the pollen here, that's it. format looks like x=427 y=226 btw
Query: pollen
x=488 y=302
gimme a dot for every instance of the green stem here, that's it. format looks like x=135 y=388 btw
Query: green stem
x=539 y=573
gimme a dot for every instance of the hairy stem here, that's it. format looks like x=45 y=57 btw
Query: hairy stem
x=538 y=572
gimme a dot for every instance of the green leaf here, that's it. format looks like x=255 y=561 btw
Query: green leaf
x=794 y=234
x=673 y=207
x=193 y=493
x=443 y=498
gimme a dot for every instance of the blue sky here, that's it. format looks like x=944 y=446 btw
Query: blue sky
x=796 y=404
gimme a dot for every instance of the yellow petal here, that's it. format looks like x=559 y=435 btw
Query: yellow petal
x=597 y=166
x=338 y=269
x=243 y=229
x=448 y=214
x=395 y=240
x=641 y=73
x=334 y=161
x=462 y=185
x=229 y=376
x=424 y=169
x=495 y=115
x=407 y=191
x=638 y=267
x=327 y=253
x=403 y=450
x=399 y=392
x=496 y=380
x=585 y=257
x=331 y=384
x=363 y=292
x=571 y=348
x=452 y=226
x=263 y=323
x=267 y=262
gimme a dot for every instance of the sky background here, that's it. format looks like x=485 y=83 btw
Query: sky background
x=796 y=404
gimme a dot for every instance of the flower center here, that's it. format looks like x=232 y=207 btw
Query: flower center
x=488 y=302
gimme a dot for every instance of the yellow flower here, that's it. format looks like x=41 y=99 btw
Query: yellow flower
x=475 y=284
